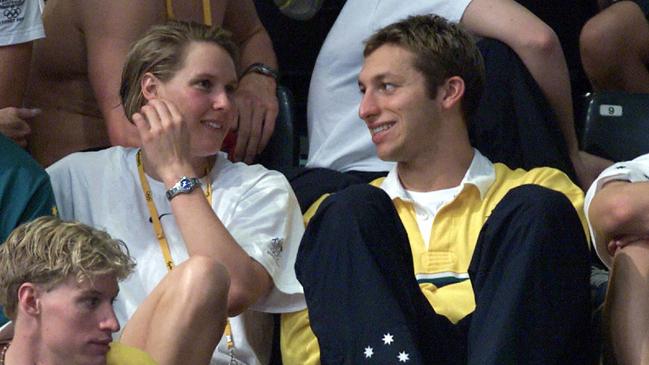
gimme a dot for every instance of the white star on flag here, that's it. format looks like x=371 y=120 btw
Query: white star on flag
x=403 y=357
x=369 y=352
x=388 y=339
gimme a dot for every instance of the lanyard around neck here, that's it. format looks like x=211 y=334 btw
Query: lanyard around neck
x=160 y=234
x=155 y=218
x=207 y=12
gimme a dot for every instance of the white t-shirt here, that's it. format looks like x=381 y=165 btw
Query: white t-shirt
x=338 y=138
x=636 y=170
x=20 y=21
x=256 y=205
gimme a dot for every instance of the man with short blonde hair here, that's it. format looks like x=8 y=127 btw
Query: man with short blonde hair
x=58 y=282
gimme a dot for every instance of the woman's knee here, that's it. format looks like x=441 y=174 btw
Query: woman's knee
x=203 y=280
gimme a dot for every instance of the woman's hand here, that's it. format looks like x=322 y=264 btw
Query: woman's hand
x=621 y=242
x=165 y=140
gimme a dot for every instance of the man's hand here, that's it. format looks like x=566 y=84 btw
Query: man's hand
x=13 y=123
x=256 y=100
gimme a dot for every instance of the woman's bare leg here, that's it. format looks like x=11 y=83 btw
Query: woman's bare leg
x=182 y=320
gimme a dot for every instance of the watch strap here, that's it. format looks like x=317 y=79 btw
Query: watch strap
x=262 y=69
x=184 y=186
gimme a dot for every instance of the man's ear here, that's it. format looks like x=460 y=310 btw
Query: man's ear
x=150 y=85
x=29 y=299
x=452 y=92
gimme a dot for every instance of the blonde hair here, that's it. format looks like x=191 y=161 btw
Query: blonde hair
x=161 y=51
x=442 y=49
x=47 y=251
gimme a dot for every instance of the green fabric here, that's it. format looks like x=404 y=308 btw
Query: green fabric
x=25 y=190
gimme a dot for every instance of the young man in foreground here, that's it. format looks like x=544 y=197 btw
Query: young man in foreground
x=58 y=281
x=452 y=259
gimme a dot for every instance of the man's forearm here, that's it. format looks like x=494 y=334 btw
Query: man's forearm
x=257 y=48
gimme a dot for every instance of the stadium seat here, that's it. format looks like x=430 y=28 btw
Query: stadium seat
x=616 y=125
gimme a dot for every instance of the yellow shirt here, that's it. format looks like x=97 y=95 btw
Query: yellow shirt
x=442 y=269
x=120 y=354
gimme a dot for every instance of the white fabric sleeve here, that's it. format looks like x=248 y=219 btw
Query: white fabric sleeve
x=636 y=170
x=453 y=10
x=268 y=225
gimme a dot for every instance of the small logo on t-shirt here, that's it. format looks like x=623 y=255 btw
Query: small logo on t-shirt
x=275 y=248
x=11 y=10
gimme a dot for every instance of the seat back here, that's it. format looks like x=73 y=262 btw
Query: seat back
x=616 y=125
x=280 y=153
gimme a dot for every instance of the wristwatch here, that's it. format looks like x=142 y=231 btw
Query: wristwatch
x=183 y=186
x=263 y=69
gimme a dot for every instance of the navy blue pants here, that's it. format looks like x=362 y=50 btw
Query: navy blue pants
x=529 y=272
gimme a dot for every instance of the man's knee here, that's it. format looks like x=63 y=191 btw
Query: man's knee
x=357 y=202
x=537 y=199
x=541 y=210
x=547 y=218
x=347 y=224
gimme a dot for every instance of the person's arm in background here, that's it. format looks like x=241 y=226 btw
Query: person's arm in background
x=619 y=215
x=538 y=47
x=620 y=209
x=109 y=28
x=13 y=123
x=256 y=96
x=15 y=59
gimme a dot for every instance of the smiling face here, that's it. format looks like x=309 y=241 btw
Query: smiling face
x=396 y=106
x=202 y=90
x=77 y=320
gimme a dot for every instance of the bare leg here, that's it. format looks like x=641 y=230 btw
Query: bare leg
x=182 y=320
x=614 y=48
x=626 y=311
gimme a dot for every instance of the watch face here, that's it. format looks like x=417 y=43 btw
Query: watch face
x=185 y=184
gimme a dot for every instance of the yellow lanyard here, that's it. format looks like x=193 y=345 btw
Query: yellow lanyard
x=160 y=234
x=207 y=12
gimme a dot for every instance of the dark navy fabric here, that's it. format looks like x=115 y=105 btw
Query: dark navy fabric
x=529 y=272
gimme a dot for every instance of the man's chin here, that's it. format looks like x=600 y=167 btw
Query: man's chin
x=92 y=359
x=387 y=156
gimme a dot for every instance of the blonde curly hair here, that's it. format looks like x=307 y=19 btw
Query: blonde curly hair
x=47 y=251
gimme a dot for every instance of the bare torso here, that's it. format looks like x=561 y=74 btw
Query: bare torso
x=71 y=119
